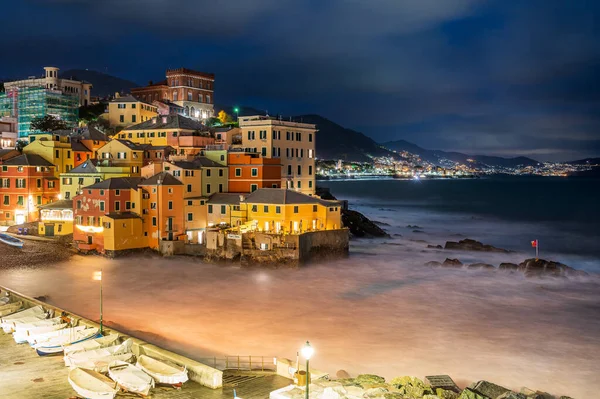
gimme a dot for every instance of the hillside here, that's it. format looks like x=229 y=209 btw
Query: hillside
x=103 y=84
x=586 y=161
x=436 y=156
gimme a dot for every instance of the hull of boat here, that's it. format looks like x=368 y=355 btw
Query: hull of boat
x=92 y=344
x=10 y=308
x=10 y=240
x=58 y=349
x=91 y=385
x=131 y=378
x=163 y=373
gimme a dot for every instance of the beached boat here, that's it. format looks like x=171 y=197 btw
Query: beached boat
x=91 y=344
x=10 y=308
x=75 y=358
x=10 y=240
x=4 y=300
x=92 y=385
x=38 y=323
x=44 y=337
x=130 y=377
x=8 y=322
x=23 y=335
x=163 y=372
x=54 y=344
x=100 y=364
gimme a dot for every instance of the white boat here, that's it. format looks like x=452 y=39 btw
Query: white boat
x=75 y=358
x=4 y=299
x=10 y=308
x=10 y=240
x=163 y=372
x=92 y=385
x=91 y=344
x=23 y=335
x=100 y=364
x=36 y=313
x=130 y=377
x=54 y=344
x=38 y=323
x=44 y=337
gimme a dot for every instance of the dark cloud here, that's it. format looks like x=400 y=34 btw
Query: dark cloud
x=494 y=77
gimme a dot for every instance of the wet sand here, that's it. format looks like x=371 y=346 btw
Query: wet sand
x=35 y=253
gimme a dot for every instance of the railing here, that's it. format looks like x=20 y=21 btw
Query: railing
x=242 y=363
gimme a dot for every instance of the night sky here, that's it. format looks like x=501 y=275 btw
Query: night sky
x=489 y=77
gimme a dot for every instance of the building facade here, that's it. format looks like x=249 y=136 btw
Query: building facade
x=128 y=110
x=191 y=90
x=8 y=132
x=293 y=143
x=249 y=171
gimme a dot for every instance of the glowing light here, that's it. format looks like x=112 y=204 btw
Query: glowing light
x=97 y=276
x=59 y=196
x=90 y=229
x=307 y=351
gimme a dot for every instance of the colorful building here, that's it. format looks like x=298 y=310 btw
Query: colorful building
x=200 y=177
x=165 y=107
x=8 y=132
x=56 y=218
x=26 y=182
x=122 y=153
x=128 y=110
x=191 y=90
x=292 y=142
x=249 y=172
x=224 y=209
x=55 y=148
x=88 y=173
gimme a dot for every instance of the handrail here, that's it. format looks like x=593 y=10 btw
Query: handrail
x=242 y=363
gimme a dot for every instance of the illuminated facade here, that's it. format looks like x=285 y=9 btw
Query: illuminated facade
x=56 y=219
x=128 y=110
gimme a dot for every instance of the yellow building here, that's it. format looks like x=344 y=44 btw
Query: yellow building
x=287 y=211
x=56 y=219
x=128 y=110
x=54 y=148
x=225 y=209
x=123 y=231
x=195 y=219
x=88 y=173
x=167 y=130
x=122 y=153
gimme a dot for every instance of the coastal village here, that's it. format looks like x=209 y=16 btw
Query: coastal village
x=158 y=177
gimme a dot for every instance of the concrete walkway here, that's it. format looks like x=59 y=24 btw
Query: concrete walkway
x=25 y=375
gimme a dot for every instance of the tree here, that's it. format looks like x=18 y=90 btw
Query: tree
x=224 y=117
x=2 y=87
x=47 y=123
x=212 y=122
x=20 y=145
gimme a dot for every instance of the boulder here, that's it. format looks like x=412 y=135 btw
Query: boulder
x=470 y=394
x=565 y=397
x=445 y=394
x=411 y=387
x=413 y=227
x=472 y=245
x=452 y=263
x=442 y=382
x=418 y=231
x=363 y=379
x=508 y=266
x=481 y=266
x=393 y=395
x=433 y=263
x=488 y=389
x=540 y=267
x=512 y=395
x=375 y=392
x=342 y=374
x=435 y=246
x=531 y=394
x=360 y=226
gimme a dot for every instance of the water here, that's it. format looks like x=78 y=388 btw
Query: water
x=380 y=311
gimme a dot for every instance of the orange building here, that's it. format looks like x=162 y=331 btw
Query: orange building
x=249 y=171
x=163 y=218
x=26 y=182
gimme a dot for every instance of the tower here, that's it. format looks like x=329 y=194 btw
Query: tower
x=52 y=78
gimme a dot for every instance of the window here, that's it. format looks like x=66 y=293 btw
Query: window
x=222 y=157
x=51 y=184
x=223 y=209
x=238 y=172
x=190 y=203
x=201 y=202
x=263 y=151
x=299 y=184
x=310 y=137
x=220 y=172
x=250 y=134
x=287 y=152
x=274 y=185
x=296 y=209
x=68 y=154
x=277 y=209
x=154 y=221
x=101 y=205
x=6 y=200
x=208 y=188
x=266 y=209
x=254 y=208
x=101 y=192
x=117 y=206
x=210 y=209
x=121 y=106
x=20 y=200
x=5 y=183
x=289 y=170
x=190 y=217
x=253 y=187
x=287 y=135
x=310 y=153
x=170 y=204
x=189 y=189
x=254 y=172
x=117 y=192
x=208 y=99
x=21 y=183
x=207 y=172
x=314 y=208
x=127 y=205
x=79 y=204
x=57 y=154
x=298 y=136
x=39 y=183
x=133 y=118
x=310 y=184
x=19 y=169
x=122 y=118
x=299 y=170
x=4 y=168
x=189 y=95
x=220 y=188
x=133 y=106
x=170 y=190
x=310 y=170
x=301 y=152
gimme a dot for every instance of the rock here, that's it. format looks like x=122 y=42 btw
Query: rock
x=472 y=245
x=375 y=392
x=452 y=263
x=397 y=235
x=480 y=266
x=512 y=395
x=435 y=246
x=433 y=264
x=443 y=383
x=369 y=379
x=413 y=227
x=488 y=389
x=393 y=395
x=508 y=266
x=446 y=394
x=531 y=394
x=342 y=374
x=565 y=397
x=377 y=222
x=469 y=394
x=431 y=397
x=411 y=386
x=418 y=231
x=360 y=226
x=540 y=267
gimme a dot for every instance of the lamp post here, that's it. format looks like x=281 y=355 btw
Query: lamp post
x=237 y=111
x=98 y=277
x=307 y=351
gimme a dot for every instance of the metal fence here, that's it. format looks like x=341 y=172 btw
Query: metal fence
x=242 y=363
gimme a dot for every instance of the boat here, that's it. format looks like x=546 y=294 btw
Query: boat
x=23 y=335
x=44 y=337
x=10 y=308
x=91 y=344
x=92 y=385
x=75 y=358
x=100 y=364
x=163 y=372
x=8 y=322
x=130 y=378
x=54 y=345
x=10 y=240
x=4 y=300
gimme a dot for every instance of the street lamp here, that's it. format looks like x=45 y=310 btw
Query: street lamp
x=98 y=277
x=237 y=111
x=307 y=351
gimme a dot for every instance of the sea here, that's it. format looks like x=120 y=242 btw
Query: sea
x=381 y=310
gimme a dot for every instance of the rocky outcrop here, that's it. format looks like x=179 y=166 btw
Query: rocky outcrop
x=472 y=245
x=361 y=226
x=435 y=246
x=452 y=263
x=488 y=389
x=433 y=263
x=508 y=266
x=480 y=266
x=541 y=267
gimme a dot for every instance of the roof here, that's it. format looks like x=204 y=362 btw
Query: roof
x=119 y=183
x=131 y=144
x=124 y=215
x=78 y=146
x=91 y=133
x=8 y=153
x=174 y=121
x=198 y=163
x=127 y=99
x=162 y=179
x=284 y=197
x=224 y=198
x=27 y=160
x=62 y=204
x=168 y=103
x=88 y=166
